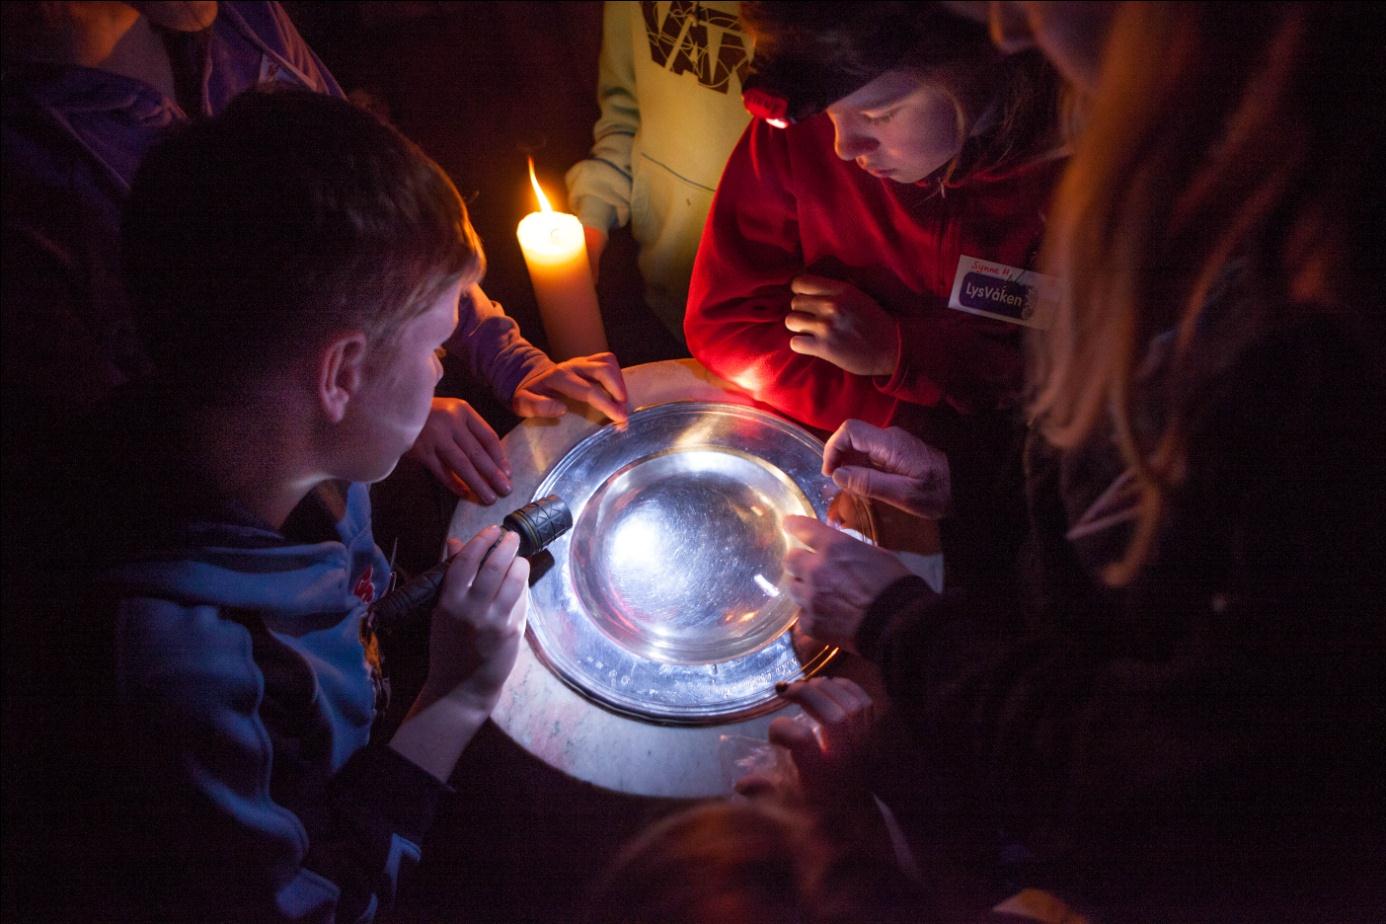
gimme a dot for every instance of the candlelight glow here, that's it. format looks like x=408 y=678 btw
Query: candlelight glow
x=748 y=380
x=555 y=250
x=538 y=191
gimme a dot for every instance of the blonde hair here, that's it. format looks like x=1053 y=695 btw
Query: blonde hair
x=1218 y=139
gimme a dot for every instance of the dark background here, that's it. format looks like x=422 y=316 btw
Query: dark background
x=479 y=86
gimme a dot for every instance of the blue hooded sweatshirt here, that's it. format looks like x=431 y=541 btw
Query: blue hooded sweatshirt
x=245 y=697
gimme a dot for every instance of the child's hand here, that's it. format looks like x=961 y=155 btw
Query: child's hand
x=472 y=645
x=594 y=380
x=840 y=323
x=830 y=760
x=480 y=618
x=462 y=451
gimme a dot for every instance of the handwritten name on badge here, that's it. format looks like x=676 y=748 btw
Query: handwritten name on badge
x=1007 y=293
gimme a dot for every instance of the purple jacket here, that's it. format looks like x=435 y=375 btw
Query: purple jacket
x=72 y=140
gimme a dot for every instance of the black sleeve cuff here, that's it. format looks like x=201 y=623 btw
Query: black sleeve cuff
x=403 y=794
x=879 y=615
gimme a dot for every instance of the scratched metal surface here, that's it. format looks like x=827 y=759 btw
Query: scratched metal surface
x=669 y=743
x=667 y=600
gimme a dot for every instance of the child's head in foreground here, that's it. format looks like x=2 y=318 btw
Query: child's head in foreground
x=296 y=253
x=750 y=862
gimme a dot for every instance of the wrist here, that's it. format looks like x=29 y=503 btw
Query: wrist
x=463 y=700
x=878 y=616
x=884 y=360
x=434 y=733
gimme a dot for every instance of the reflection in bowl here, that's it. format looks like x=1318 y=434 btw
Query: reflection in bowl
x=677 y=556
x=667 y=599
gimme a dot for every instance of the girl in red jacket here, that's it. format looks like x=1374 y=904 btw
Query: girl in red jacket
x=871 y=241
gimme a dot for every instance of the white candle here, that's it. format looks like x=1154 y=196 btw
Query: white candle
x=555 y=251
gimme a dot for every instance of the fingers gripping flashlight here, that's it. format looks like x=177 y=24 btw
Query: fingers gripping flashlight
x=537 y=524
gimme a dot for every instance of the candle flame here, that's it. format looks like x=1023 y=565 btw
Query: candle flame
x=543 y=200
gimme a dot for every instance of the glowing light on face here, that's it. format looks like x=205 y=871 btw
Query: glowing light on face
x=899 y=126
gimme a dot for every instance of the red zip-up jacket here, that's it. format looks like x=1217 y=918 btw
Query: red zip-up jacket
x=787 y=205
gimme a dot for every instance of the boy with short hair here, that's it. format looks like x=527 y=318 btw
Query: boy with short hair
x=297 y=264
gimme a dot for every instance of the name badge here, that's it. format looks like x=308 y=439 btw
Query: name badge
x=1007 y=293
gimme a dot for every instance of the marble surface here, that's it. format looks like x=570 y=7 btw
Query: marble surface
x=546 y=717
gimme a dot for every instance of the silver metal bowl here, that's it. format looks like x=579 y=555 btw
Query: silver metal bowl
x=668 y=602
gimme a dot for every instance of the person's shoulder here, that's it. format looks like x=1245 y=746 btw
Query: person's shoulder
x=191 y=654
x=145 y=613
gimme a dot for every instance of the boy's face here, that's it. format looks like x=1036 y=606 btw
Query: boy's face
x=898 y=127
x=397 y=391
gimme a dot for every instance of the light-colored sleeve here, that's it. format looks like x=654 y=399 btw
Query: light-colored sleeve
x=490 y=343
x=599 y=187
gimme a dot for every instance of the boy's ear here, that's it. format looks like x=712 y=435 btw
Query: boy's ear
x=340 y=373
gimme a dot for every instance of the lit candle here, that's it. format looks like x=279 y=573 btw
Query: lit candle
x=556 y=253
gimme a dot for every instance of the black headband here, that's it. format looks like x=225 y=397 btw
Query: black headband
x=784 y=88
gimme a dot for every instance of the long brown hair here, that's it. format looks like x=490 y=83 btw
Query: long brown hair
x=1223 y=136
